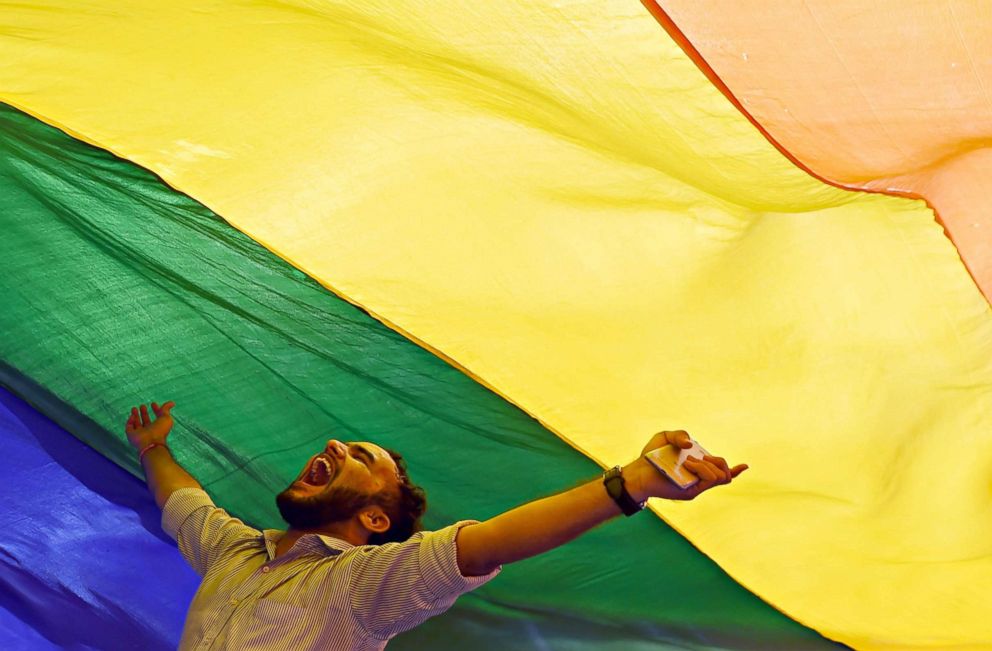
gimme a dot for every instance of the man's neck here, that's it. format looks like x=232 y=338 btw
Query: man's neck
x=346 y=531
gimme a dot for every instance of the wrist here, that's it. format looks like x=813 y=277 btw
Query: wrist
x=140 y=444
x=149 y=447
x=637 y=477
x=616 y=487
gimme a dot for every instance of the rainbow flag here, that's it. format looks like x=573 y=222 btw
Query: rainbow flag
x=513 y=241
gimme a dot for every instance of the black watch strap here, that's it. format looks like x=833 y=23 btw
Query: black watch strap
x=613 y=480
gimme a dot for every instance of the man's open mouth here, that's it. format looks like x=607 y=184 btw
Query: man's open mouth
x=320 y=472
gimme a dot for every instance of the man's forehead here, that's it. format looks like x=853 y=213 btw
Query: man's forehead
x=380 y=454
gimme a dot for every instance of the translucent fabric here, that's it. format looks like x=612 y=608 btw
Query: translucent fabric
x=890 y=95
x=119 y=290
x=555 y=199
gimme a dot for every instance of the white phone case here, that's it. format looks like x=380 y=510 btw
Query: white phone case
x=669 y=459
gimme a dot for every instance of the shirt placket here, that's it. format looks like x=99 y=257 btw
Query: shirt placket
x=257 y=582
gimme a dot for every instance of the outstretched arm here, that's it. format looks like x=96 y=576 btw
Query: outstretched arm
x=148 y=437
x=544 y=524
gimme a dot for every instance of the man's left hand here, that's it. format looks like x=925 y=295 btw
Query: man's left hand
x=644 y=480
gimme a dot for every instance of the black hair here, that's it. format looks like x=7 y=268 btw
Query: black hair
x=405 y=506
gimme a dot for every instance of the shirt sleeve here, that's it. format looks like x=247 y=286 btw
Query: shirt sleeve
x=202 y=530
x=397 y=586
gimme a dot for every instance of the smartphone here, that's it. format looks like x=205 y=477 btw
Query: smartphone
x=669 y=459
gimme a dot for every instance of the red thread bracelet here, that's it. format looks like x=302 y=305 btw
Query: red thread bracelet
x=141 y=455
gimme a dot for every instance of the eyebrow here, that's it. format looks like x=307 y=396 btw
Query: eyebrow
x=365 y=451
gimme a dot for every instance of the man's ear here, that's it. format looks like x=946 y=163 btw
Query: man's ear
x=374 y=519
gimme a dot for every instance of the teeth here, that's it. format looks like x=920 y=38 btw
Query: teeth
x=312 y=477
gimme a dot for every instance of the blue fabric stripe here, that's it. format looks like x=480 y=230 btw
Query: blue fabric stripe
x=84 y=563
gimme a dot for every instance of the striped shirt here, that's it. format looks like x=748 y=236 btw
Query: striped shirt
x=324 y=593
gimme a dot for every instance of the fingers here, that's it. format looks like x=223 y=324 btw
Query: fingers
x=706 y=471
x=132 y=421
x=140 y=418
x=712 y=471
x=164 y=409
x=721 y=464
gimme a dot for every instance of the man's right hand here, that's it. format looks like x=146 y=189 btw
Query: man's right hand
x=142 y=431
x=163 y=474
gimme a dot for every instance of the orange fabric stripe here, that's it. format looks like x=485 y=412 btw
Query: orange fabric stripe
x=707 y=42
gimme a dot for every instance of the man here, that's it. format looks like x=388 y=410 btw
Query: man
x=353 y=569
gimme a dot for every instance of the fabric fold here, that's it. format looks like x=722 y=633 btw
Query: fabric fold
x=556 y=200
x=119 y=290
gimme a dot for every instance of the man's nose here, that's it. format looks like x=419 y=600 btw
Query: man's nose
x=336 y=449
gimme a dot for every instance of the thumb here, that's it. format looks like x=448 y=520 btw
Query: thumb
x=680 y=439
x=164 y=410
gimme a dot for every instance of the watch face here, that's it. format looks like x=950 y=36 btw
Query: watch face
x=613 y=482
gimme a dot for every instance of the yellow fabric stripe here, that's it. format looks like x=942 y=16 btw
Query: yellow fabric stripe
x=552 y=196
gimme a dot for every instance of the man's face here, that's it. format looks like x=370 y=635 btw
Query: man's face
x=337 y=483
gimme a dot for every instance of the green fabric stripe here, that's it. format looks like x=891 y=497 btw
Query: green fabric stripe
x=118 y=290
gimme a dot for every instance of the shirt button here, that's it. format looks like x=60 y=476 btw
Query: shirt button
x=265 y=569
x=234 y=602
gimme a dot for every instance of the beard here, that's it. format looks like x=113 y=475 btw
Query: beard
x=335 y=504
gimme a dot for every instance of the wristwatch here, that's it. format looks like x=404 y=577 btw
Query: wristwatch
x=614 y=483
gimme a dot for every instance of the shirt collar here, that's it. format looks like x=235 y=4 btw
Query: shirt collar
x=310 y=542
